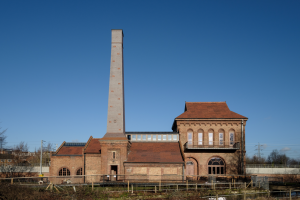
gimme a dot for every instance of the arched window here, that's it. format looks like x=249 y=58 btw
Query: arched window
x=210 y=137
x=216 y=166
x=64 y=172
x=79 y=171
x=221 y=137
x=190 y=137
x=231 y=137
x=200 y=137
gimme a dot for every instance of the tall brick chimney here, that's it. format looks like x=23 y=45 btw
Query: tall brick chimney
x=116 y=114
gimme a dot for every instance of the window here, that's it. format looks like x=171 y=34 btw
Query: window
x=114 y=155
x=210 y=138
x=154 y=137
x=159 y=137
x=174 y=137
x=221 y=138
x=79 y=171
x=144 y=137
x=64 y=172
x=169 y=137
x=164 y=137
x=200 y=138
x=129 y=137
x=139 y=137
x=133 y=137
x=190 y=137
x=9 y=160
x=2 y=160
x=216 y=166
x=231 y=137
x=149 y=137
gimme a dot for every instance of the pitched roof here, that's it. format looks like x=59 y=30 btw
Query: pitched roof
x=208 y=110
x=93 y=146
x=70 y=150
x=155 y=152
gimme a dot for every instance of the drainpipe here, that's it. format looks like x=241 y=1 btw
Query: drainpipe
x=84 y=167
x=183 y=172
x=242 y=149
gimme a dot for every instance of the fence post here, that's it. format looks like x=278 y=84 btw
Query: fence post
x=212 y=184
x=128 y=186
x=230 y=186
x=245 y=185
x=234 y=183
x=187 y=185
x=160 y=185
x=92 y=185
x=251 y=183
x=258 y=184
x=177 y=187
x=131 y=188
x=155 y=188
x=290 y=194
x=12 y=181
x=244 y=195
x=217 y=196
x=196 y=186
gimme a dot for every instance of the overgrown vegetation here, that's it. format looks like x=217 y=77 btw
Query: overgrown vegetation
x=16 y=192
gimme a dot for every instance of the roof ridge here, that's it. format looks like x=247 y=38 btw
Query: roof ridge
x=60 y=147
x=209 y=102
x=87 y=144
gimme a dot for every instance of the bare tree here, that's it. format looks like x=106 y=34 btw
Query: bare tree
x=277 y=158
x=18 y=164
x=2 y=138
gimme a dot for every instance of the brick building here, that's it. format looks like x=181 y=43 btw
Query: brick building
x=208 y=138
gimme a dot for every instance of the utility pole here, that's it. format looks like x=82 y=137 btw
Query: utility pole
x=258 y=150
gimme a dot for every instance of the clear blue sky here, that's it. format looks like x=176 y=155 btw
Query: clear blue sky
x=55 y=59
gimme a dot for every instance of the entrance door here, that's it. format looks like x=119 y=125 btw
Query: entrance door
x=190 y=169
x=114 y=172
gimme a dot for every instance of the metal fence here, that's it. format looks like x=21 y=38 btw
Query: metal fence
x=271 y=166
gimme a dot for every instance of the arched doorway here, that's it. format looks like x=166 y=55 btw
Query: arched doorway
x=216 y=165
x=190 y=168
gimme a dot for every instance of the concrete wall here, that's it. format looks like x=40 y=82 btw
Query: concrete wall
x=275 y=171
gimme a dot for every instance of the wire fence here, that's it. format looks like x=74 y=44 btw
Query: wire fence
x=271 y=166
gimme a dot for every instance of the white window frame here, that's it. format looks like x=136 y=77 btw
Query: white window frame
x=159 y=137
x=211 y=138
x=154 y=138
x=170 y=137
x=139 y=137
x=144 y=137
x=149 y=137
x=231 y=138
x=190 y=137
x=200 y=138
x=174 y=137
x=221 y=138
x=133 y=137
x=164 y=137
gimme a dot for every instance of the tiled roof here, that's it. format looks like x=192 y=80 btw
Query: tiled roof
x=69 y=150
x=93 y=146
x=155 y=152
x=208 y=110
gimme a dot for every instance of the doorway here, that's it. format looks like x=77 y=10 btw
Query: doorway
x=190 y=168
x=114 y=172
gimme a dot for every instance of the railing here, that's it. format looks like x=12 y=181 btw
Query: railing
x=271 y=166
x=213 y=145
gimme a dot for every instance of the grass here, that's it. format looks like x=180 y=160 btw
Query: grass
x=16 y=192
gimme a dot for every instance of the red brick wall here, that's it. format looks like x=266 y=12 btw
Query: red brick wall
x=92 y=166
x=201 y=157
x=153 y=172
x=73 y=163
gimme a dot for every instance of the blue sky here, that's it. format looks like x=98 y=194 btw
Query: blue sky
x=55 y=59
